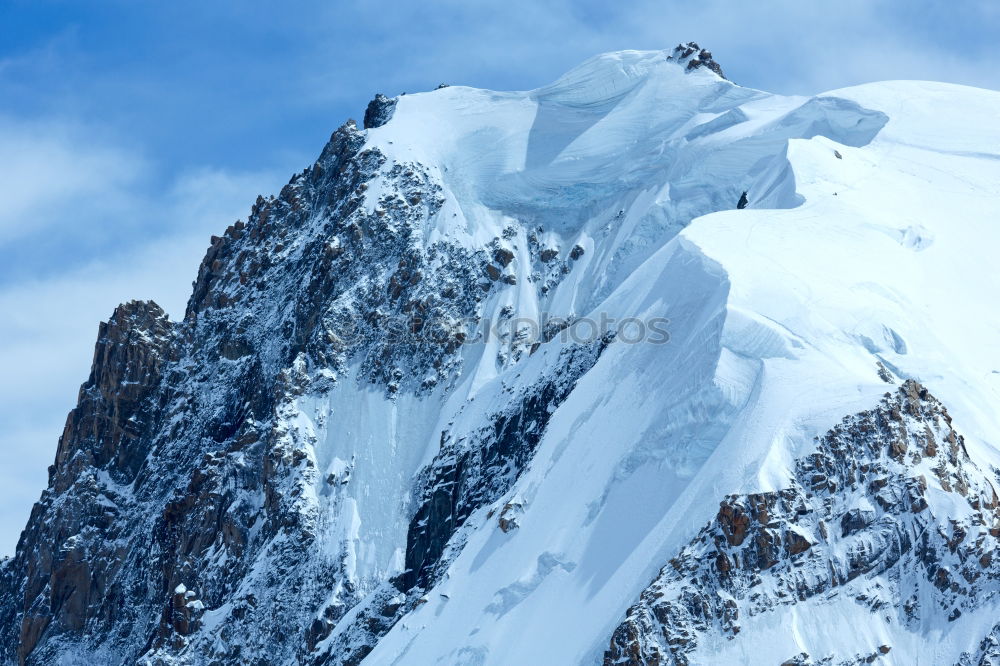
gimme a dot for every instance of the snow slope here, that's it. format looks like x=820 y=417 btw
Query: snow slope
x=779 y=315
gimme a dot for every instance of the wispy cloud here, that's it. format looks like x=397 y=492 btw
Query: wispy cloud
x=54 y=175
x=59 y=184
x=778 y=45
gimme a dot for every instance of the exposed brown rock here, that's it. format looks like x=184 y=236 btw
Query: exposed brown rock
x=503 y=256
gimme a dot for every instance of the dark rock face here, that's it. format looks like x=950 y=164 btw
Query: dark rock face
x=111 y=417
x=379 y=111
x=693 y=56
x=104 y=443
x=857 y=508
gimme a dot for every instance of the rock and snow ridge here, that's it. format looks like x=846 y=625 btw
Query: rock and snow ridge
x=887 y=511
x=324 y=462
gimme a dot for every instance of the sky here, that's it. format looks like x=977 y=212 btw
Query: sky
x=131 y=131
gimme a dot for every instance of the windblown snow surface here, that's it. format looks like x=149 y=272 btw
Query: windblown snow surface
x=871 y=235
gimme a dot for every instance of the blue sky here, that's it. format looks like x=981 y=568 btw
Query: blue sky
x=131 y=131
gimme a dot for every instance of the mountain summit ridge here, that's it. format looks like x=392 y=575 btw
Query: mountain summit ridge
x=407 y=417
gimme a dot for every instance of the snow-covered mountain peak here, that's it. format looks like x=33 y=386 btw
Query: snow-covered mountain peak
x=614 y=124
x=487 y=368
x=621 y=152
x=606 y=78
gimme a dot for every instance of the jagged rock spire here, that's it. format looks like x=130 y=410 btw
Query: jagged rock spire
x=693 y=56
x=379 y=111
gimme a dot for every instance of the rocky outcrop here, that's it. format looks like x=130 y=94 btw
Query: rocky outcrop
x=379 y=111
x=112 y=418
x=693 y=56
x=63 y=584
x=858 y=512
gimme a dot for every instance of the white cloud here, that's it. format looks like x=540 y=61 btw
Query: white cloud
x=48 y=166
x=779 y=45
x=49 y=326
